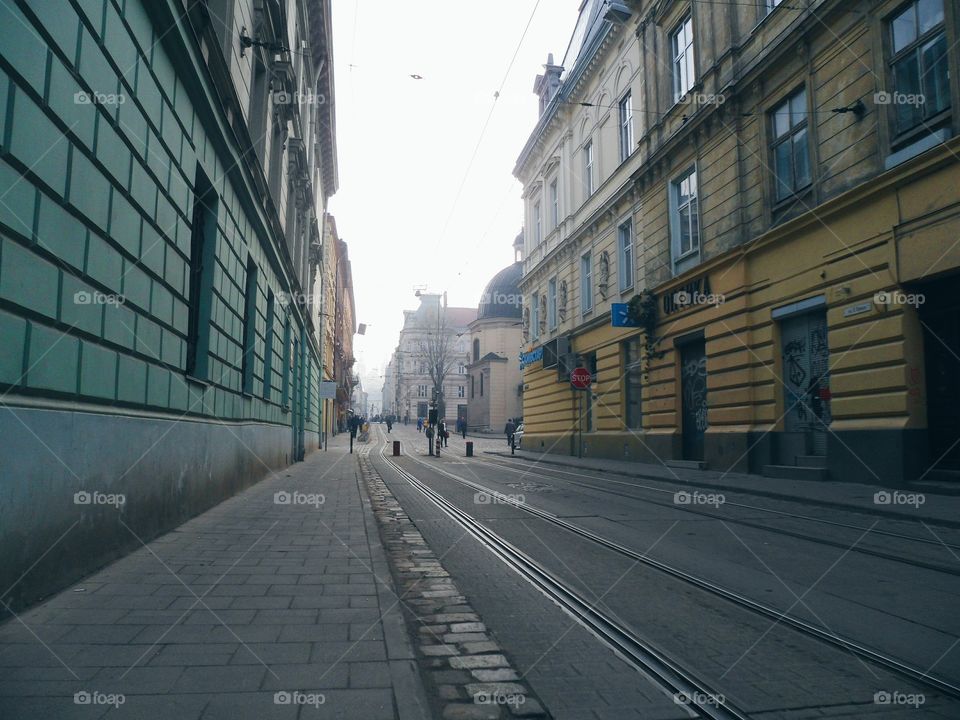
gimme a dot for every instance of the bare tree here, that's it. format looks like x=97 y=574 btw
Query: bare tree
x=439 y=351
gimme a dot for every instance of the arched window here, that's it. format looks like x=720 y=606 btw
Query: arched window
x=476 y=349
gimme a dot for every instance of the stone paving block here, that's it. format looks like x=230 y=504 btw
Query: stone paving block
x=474 y=662
x=313 y=676
x=233 y=678
x=369 y=674
x=348 y=651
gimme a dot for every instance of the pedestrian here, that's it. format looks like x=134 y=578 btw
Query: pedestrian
x=389 y=423
x=419 y=424
x=443 y=437
x=429 y=433
x=509 y=429
x=354 y=426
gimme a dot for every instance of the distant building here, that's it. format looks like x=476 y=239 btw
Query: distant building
x=495 y=386
x=410 y=365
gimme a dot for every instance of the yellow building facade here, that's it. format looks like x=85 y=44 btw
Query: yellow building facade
x=754 y=194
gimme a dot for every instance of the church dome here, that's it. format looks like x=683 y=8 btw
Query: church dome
x=501 y=298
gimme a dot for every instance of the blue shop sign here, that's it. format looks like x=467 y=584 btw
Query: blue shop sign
x=528 y=358
x=620 y=316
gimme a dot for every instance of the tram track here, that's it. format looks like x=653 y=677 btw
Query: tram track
x=866 y=653
x=913 y=562
x=669 y=674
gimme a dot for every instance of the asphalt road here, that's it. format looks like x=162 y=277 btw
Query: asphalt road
x=832 y=568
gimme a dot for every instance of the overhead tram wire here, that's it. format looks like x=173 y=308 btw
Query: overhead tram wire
x=486 y=123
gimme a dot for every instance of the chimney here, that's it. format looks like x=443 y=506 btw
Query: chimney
x=546 y=85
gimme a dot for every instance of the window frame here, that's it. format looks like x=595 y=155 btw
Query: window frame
x=626 y=258
x=589 y=160
x=677 y=56
x=552 y=303
x=625 y=118
x=677 y=257
x=586 y=283
x=774 y=142
x=554 y=190
x=537 y=223
x=900 y=139
x=535 y=316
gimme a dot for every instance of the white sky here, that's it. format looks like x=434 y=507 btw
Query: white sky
x=404 y=146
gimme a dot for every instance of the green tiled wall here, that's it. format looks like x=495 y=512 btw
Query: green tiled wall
x=96 y=200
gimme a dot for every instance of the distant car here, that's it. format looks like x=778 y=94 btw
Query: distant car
x=518 y=435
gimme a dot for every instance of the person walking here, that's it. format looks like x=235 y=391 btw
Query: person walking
x=389 y=423
x=419 y=424
x=443 y=437
x=429 y=433
x=509 y=429
x=463 y=428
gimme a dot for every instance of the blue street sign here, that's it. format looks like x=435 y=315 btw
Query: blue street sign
x=620 y=316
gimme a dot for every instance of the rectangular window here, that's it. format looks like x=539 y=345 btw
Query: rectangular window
x=203 y=249
x=461 y=369
x=285 y=388
x=552 y=303
x=461 y=391
x=248 y=359
x=626 y=126
x=681 y=41
x=268 y=347
x=586 y=284
x=473 y=386
x=919 y=66
x=421 y=390
x=790 y=149
x=537 y=229
x=554 y=205
x=632 y=384
x=535 y=317
x=625 y=254
x=685 y=218
x=481 y=384
x=588 y=168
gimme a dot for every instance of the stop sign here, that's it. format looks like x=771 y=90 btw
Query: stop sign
x=580 y=378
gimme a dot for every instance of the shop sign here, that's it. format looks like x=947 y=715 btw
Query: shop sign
x=528 y=358
x=695 y=292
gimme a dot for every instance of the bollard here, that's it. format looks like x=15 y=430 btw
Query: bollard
x=396 y=448
x=469 y=448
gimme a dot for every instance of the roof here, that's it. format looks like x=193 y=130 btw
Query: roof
x=460 y=316
x=501 y=297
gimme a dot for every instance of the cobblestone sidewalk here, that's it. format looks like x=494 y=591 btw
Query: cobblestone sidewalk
x=277 y=603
